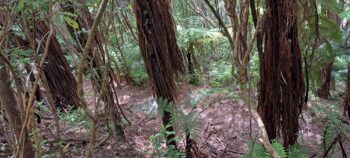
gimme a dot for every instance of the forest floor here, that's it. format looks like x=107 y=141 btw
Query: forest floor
x=226 y=125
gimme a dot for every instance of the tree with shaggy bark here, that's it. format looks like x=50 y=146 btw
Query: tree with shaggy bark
x=59 y=75
x=281 y=87
x=160 y=52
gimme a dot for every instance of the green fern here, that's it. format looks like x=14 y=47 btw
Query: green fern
x=334 y=126
x=189 y=125
x=256 y=150
x=297 y=151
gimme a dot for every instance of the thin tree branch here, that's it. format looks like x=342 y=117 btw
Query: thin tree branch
x=30 y=104
x=83 y=60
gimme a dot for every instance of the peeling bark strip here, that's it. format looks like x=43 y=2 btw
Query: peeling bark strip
x=281 y=87
x=159 y=50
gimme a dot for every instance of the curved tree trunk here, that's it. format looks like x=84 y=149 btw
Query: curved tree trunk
x=11 y=107
x=159 y=51
x=281 y=87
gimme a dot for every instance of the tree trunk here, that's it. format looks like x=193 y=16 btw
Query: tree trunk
x=160 y=52
x=11 y=107
x=59 y=75
x=240 y=32
x=346 y=103
x=281 y=87
x=325 y=76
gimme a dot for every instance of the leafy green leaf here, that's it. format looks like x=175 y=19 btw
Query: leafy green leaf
x=71 y=22
x=20 y=5
x=130 y=6
x=345 y=15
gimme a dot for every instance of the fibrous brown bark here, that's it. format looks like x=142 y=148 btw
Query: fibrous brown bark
x=159 y=51
x=281 y=87
x=62 y=83
x=11 y=107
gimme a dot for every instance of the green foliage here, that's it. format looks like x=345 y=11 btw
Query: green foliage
x=197 y=96
x=41 y=142
x=340 y=69
x=332 y=6
x=297 y=151
x=158 y=143
x=20 y=5
x=254 y=69
x=201 y=35
x=76 y=117
x=220 y=74
x=345 y=14
x=204 y=42
x=330 y=39
x=70 y=19
x=195 y=78
x=26 y=7
x=329 y=34
x=164 y=105
x=189 y=124
x=139 y=74
x=20 y=56
x=257 y=150
x=42 y=109
x=334 y=126
x=133 y=60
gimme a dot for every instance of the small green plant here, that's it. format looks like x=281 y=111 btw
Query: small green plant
x=334 y=127
x=189 y=125
x=195 y=78
x=297 y=151
x=158 y=143
x=198 y=96
x=220 y=74
x=139 y=75
x=256 y=150
x=76 y=117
